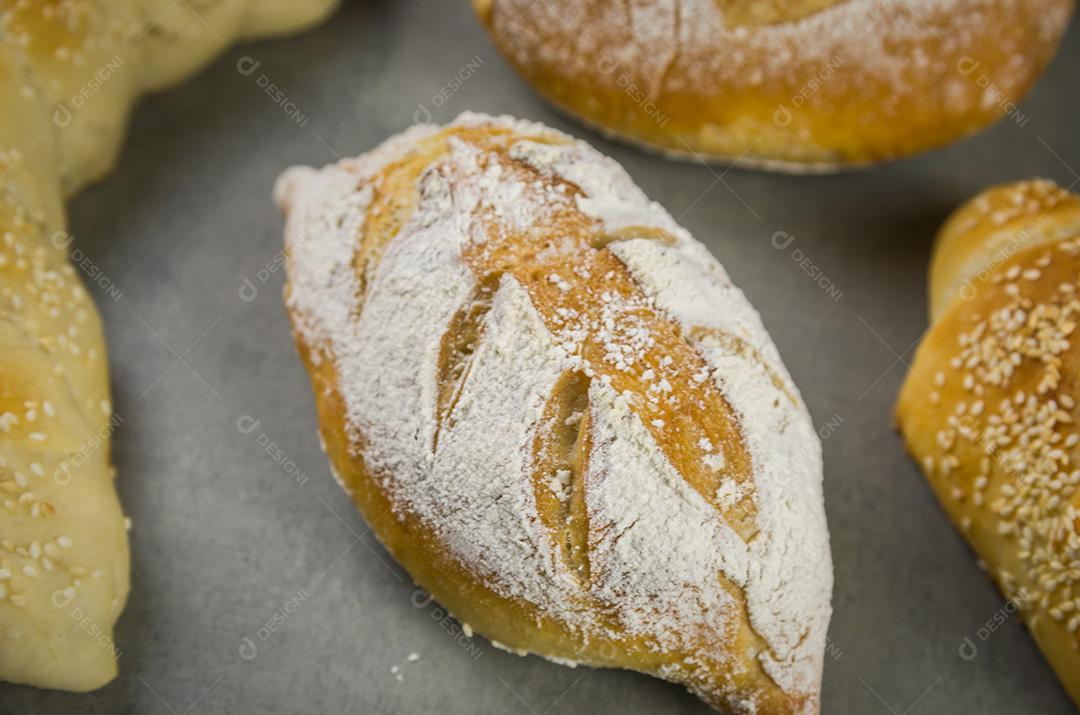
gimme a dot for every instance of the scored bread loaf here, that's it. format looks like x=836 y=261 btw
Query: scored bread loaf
x=989 y=408
x=557 y=412
x=69 y=71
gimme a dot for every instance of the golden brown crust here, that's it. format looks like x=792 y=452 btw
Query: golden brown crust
x=724 y=672
x=842 y=84
x=989 y=408
x=990 y=229
x=769 y=12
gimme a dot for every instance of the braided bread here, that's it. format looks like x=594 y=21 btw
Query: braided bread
x=989 y=408
x=69 y=71
x=794 y=85
x=557 y=412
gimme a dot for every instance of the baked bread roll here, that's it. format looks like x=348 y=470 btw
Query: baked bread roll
x=557 y=412
x=69 y=70
x=989 y=408
x=791 y=85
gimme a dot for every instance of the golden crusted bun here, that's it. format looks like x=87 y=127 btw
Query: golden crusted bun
x=990 y=229
x=557 y=412
x=990 y=410
x=792 y=85
x=69 y=70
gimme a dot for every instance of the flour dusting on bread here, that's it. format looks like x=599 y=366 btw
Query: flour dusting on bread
x=785 y=85
x=565 y=387
x=695 y=45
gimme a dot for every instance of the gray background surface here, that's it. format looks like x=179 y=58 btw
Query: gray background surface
x=225 y=537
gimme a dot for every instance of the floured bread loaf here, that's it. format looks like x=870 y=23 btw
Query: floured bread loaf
x=557 y=412
x=792 y=85
x=69 y=72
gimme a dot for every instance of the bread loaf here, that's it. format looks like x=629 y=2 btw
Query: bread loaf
x=69 y=72
x=989 y=408
x=557 y=412
x=791 y=85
